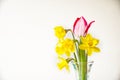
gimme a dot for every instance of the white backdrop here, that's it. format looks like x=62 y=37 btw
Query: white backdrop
x=27 y=40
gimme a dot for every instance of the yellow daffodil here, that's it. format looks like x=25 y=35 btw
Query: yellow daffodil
x=89 y=43
x=59 y=32
x=63 y=63
x=59 y=48
x=65 y=46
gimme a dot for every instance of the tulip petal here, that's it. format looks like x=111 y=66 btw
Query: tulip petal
x=85 y=22
x=88 y=26
x=79 y=26
x=75 y=23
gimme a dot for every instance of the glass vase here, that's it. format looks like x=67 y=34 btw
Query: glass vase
x=82 y=70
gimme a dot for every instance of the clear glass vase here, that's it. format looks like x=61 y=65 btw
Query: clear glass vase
x=82 y=71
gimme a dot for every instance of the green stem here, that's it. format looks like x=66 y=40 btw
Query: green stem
x=75 y=58
x=83 y=65
x=77 y=50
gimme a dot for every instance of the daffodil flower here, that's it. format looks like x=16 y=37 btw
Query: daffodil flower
x=63 y=63
x=80 y=27
x=89 y=43
x=59 y=47
x=59 y=32
x=65 y=46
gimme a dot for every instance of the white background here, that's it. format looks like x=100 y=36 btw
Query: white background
x=27 y=39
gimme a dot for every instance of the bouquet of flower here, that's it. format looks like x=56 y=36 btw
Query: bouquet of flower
x=78 y=49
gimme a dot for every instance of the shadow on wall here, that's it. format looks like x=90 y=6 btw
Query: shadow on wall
x=119 y=4
x=119 y=78
x=1 y=77
x=1 y=1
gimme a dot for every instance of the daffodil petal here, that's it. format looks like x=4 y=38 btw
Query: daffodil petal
x=63 y=63
x=59 y=32
x=95 y=42
x=83 y=46
x=67 y=53
x=88 y=37
x=67 y=68
x=95 y=49
x=89 y=52
x=59 y=49
x=83 y=40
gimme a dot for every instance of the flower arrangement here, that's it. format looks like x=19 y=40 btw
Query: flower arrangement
x=76 y=50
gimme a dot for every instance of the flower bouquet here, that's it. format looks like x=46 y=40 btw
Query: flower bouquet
x=76 y=49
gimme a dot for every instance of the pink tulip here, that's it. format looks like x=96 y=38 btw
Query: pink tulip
x=80 y=27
